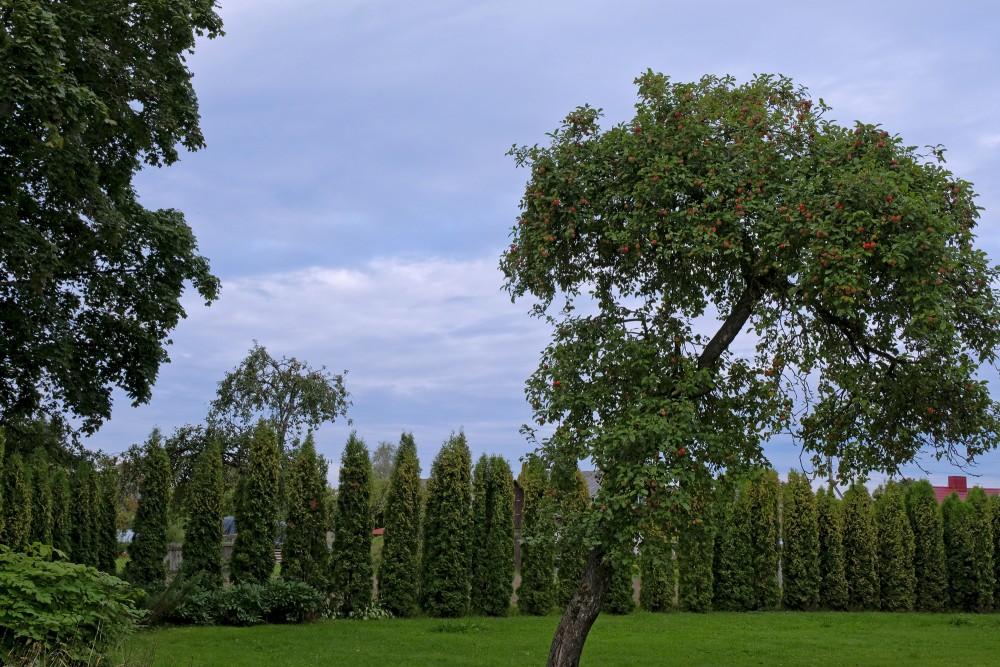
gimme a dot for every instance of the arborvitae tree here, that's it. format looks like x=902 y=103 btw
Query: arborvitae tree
x=860 y=549
x=399 y=574
x=620 y=598
x=800 y=544
x=83 y=543
x=203 y=535
x=536 y=594
x=149 y=543
x=733 y=557
x=493 y=535
x=62 y=533
x=830 y=522
x=694 y=566
x=106 y=533
x=351 y=575
x=572 y=500
x=995 y=524
x=982 y=530
x=930 y=572
x=17 y=503
x=897 y=580
x=257 y=509
x=657 y=572
x=41 y=496
x=3 y=446
x=960 y=552
x=304 y=554
x=764 y=493
x=447 y=531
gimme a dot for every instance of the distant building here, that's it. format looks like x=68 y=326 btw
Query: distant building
x=957 y=484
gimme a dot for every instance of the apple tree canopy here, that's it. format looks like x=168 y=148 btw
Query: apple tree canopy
x=90 y=280
x=730 y=265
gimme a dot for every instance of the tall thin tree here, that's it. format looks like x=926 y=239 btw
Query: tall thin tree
x=203 y=537
x=257 y=509
x=446 y=573
x=800 y=544
x=493 y=537
x=352 y=534
x=896 y=575
x=833 y=578
x=149 y=543
x=399 y=573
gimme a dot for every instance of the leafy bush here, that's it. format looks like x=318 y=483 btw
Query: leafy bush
x=48 y=602
x=275 y=601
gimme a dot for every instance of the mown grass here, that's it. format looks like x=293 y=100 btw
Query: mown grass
x=774 y=638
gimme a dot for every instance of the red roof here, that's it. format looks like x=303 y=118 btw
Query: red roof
x=377 y=532
x=957 y=484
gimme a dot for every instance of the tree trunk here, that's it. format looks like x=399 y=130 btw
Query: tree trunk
x=581 y=612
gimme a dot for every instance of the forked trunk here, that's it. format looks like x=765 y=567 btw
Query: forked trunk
x=581 y=612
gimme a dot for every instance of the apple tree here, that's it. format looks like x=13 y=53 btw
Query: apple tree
x=730 y=266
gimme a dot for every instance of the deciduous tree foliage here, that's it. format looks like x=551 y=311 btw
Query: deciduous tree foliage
x=351 y=558
x=92 y=280
x=304 y=553
x=833 y=579
x=447 y=531
x=257 y=509
x=149 y=543
x=399 y=573
x=800 y=544
x=896 y=574
x=924 y=512
x=292 y=396
x=203 y=534
x=849 y=254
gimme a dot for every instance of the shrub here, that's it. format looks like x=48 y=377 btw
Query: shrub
x=399 y=573
x=930 y=572
x=960 y=552
x=352 y=533
x=896 y=576
x=274 y=601
x=61 y=606
x=257 y=509
x=800 y=544
x=492 y=565
x=447 y=535
x=830 y=524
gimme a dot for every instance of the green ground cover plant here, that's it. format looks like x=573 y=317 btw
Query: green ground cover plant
x=721 y=638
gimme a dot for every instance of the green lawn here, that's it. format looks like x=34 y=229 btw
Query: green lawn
x=641 y=639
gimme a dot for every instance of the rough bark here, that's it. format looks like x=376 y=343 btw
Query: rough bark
x=581 y=612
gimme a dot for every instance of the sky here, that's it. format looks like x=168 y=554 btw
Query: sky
x=355 y=194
